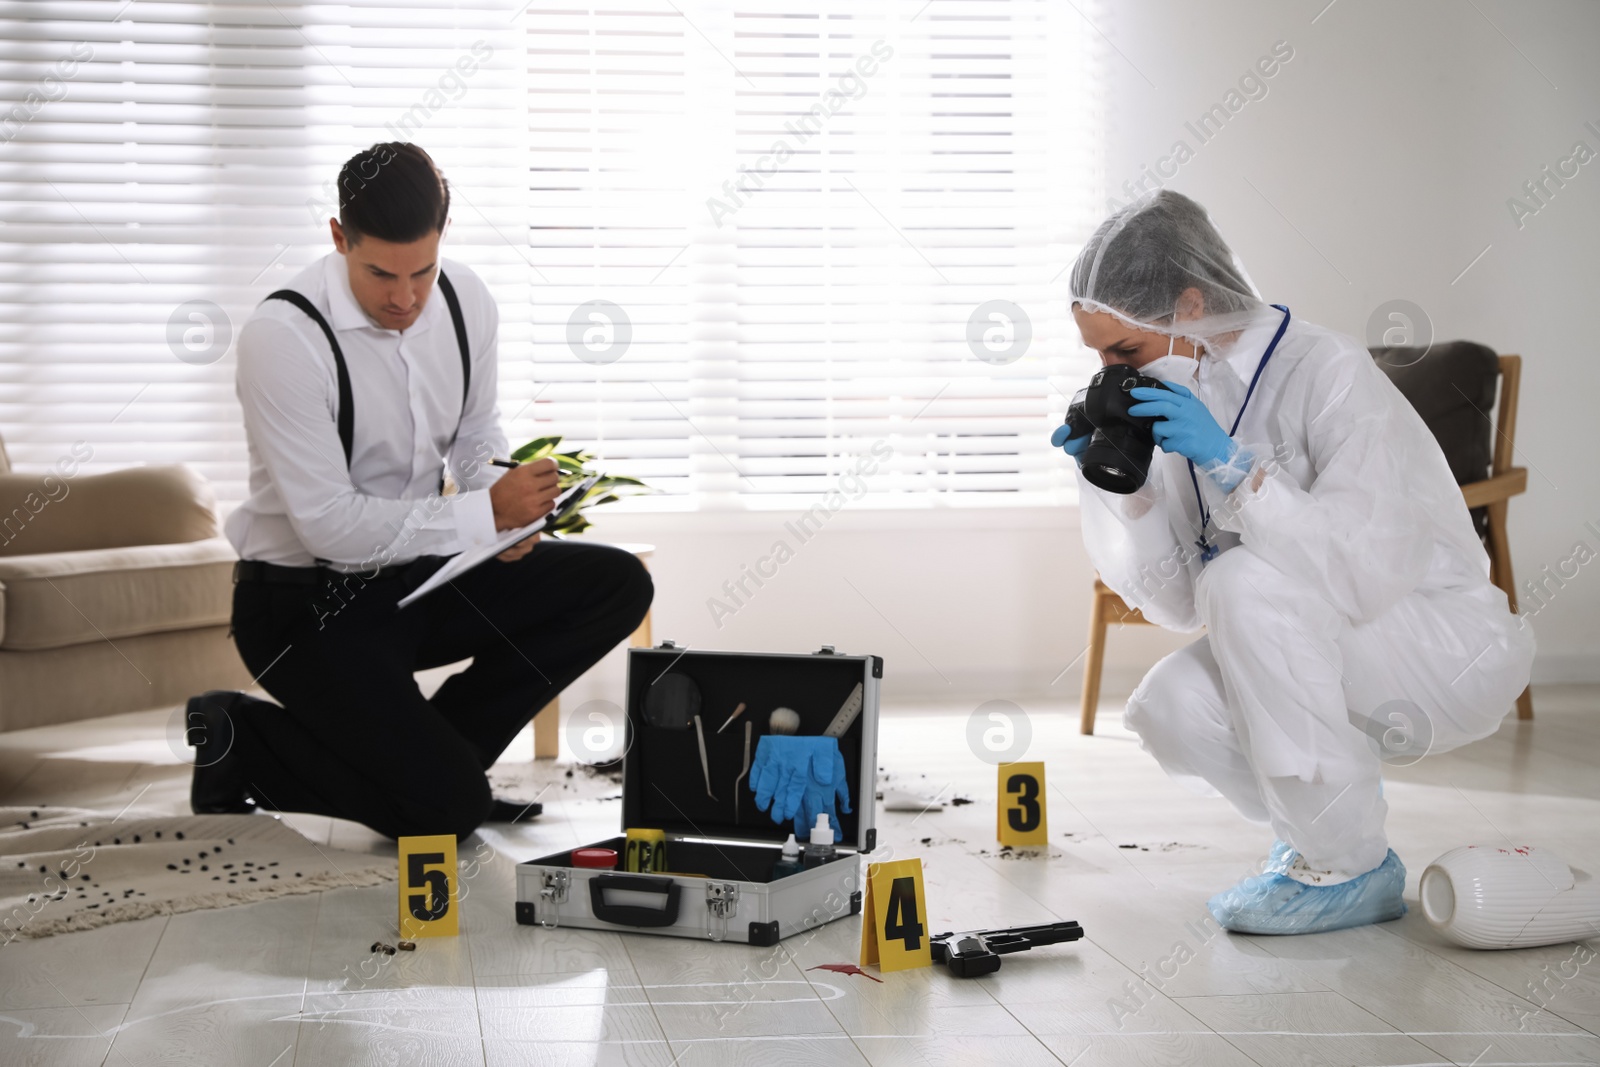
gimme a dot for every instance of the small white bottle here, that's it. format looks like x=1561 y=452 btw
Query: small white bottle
x=819 y=849
x=789 y=862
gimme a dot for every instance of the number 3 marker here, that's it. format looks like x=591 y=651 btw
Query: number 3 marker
x=1020 y=815
x=429 y=895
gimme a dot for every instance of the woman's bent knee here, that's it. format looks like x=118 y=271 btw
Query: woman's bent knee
x=1176 y=691
x=1238 y=581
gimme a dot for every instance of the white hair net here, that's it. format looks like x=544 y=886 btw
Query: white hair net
x=1142 y=259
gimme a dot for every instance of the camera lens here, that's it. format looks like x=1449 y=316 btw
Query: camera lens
x=1118 y=462
x=1119 y=454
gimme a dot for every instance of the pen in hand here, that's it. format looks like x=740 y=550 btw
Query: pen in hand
x=509 y=464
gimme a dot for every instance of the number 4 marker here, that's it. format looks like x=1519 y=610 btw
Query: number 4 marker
x=894 y=918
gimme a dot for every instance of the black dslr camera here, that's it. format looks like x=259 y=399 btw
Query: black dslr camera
x=1119 y=453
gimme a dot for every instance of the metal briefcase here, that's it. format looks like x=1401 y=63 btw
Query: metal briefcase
x=719 y=883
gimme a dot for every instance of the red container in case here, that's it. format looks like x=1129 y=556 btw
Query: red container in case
x=595 y=858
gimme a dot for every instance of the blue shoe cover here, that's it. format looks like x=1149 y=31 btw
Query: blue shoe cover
x=1279 y=859
x=1275 y=904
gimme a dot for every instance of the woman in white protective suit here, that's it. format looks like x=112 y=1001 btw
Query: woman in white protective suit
x=1301 y=512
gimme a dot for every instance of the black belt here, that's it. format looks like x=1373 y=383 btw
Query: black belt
x=254 y=570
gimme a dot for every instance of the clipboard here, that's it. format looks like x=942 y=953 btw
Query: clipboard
x=459 y=564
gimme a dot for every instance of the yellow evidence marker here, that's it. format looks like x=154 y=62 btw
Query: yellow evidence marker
x=1020 y=814
x=430 y=898
x=894 y=917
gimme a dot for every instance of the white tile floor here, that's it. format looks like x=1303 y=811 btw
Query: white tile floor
x=291 y=981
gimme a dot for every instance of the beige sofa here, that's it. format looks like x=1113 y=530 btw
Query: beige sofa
x=115 y=593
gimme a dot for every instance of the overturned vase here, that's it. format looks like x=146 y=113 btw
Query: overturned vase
x=1482 y=896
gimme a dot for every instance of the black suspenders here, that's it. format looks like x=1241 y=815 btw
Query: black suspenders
x=347 y=415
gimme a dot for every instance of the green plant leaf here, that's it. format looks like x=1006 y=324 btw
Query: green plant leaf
x=613 y=481
x=538 y=448
x=572 y=467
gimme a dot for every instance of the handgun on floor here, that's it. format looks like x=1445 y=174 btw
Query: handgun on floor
x=978 y=952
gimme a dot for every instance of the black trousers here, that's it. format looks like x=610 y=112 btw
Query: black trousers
x=356 y=739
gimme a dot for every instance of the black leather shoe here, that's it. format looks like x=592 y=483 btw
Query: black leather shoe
x=513 y=811
x=218 y=786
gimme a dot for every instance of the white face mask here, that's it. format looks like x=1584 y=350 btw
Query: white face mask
x=1173 y=367
x=1180 y=369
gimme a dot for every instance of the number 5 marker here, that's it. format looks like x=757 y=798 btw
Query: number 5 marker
x=429 y=896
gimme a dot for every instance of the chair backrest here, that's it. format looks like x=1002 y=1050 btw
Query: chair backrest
x=1505 y=419
x=1452 y=386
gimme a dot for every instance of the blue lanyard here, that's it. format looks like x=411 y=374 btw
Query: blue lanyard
x=1208 y=551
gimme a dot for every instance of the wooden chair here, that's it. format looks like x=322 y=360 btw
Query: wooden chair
x=1106 y=608
x=1493 y=493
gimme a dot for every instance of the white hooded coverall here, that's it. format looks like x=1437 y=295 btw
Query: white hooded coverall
x=1349 y=616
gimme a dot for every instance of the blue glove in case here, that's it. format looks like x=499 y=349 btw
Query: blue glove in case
x=719 y=882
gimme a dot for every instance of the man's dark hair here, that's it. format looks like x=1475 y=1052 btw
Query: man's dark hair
x=392 y=191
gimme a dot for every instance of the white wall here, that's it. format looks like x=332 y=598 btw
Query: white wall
x=961 y=604
x=1387 y=147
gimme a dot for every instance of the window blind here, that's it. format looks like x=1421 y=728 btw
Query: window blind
x=738 y=329
x=180 y=166
x=811 y=218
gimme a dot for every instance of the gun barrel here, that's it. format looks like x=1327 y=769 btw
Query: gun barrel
x=1017 y=938
x=1022 y=938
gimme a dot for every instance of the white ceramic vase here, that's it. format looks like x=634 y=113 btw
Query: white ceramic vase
x=1482 y=896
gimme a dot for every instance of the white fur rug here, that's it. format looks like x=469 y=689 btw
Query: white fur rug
x=71 y=869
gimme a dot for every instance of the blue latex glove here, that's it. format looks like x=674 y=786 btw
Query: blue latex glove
x=798 y=777
x=1185 y=427
x=1073 y=446
x=1275 y=904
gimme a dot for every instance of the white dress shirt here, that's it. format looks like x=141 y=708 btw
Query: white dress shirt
x=305 y=504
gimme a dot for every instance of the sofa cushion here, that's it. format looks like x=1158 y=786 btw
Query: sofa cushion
x=56 y=685
x=1452 y=386
x=62 y=511
x=56 y=599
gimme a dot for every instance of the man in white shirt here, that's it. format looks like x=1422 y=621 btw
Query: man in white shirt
x=361 y=392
